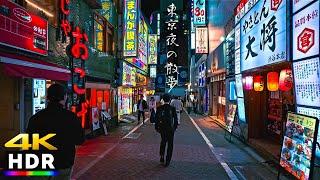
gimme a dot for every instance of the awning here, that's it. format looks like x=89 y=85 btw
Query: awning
x=25 y=67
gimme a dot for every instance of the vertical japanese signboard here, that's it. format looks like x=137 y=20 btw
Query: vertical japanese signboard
x=172 y=46
x=153 y=46
x=78 y=51
x=143 y=41
x=299 y=143
x=22 y=30
x=306 y=32
x=199 y=12
x=263 y=34
x=130 y=28
x=202 y=40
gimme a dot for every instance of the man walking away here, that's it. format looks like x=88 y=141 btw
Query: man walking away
x=142 y=106
x=166 y=124
x=152 y=108
x=178 y=105
x=65 y=124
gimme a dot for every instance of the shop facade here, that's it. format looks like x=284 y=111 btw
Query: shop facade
x=263 y=74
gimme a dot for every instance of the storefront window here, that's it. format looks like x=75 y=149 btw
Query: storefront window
x=110 y=39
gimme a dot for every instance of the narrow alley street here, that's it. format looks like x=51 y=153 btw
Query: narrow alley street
x=131 y=152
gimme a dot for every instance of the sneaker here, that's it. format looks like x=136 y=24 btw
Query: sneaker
x=162 y=159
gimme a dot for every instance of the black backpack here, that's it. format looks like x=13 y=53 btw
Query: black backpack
x=166 y=121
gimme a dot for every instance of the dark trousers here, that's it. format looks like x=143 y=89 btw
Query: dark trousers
x=166 y=137
x=189 y=110
x=152 y=116
x=139 y=114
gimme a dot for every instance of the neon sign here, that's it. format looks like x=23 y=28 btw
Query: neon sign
x=130 y=28
x=153 y=46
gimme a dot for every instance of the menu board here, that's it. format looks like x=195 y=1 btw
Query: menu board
x=239 y=86
x=297 y=152
x=39 y=95
x=314 y=113
x=230 y=116
x=307 y=82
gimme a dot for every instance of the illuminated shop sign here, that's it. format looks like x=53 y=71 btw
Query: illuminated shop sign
x=202 y=75
x=263 y=35
x=199 y=12
x=307 y=80
x=243 y=7
x=22 y=30
x=107 y=9
x=202 y=40
x=153 y=46
x=299 y=4
x=130 y=28
x=128 y=75
x=239 y=86
x=306 y=32
x=78 y=50
x=153 y=71
x=138 y=63
x=143 y=40
x=241 y=110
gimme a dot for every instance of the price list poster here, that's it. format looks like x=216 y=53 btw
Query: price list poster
x=306 y=63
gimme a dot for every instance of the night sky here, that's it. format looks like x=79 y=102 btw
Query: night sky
x=148 y=6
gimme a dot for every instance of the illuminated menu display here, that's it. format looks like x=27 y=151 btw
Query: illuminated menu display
x=307 y=82
x=298 y=145
x=128 y=75
x=239 y=86
x=314 y=113
x=130 y=28
x=143 y=40
x=153 y=45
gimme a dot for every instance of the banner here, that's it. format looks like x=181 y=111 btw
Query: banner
x=199 y=12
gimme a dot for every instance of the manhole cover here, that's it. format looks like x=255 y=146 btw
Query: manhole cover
x=134 y=136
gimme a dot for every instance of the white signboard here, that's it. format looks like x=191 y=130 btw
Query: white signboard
x=237 y=62
x=307 y=82
x=263 y=34
x=298 y=4
x=202 y=40
x=237 y=36
x=306 y=32
x=153 y=71
x=193 y=40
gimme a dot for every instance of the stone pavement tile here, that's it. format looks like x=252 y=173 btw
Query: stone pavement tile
x=139 y=158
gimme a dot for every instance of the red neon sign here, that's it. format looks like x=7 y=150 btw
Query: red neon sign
x=79 y=49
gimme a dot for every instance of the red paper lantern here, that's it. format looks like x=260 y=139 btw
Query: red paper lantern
x=248 y=85
x=285 y=80
x=258 y=83
x=273 y=81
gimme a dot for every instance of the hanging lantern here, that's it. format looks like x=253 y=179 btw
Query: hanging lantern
x=248 y=83
x=258 y=83
x=273 y=81
x=285 y=80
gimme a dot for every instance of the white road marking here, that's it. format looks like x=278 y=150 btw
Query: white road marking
x=225 y=166
x=95 y=161
x=134 y=129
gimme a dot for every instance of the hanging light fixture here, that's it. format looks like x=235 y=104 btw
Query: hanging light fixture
x=273 y=81
x=258 y=83
x=285 y=80
x=248 y=85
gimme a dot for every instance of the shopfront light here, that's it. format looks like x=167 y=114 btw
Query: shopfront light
x=41 y=9
x=273 y=81
x=285 y=80
x=248 y=85
x=258 y=83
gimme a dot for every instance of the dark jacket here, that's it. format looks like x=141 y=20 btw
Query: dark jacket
x=144 y=104
x=65 y=124
x=172 y=125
